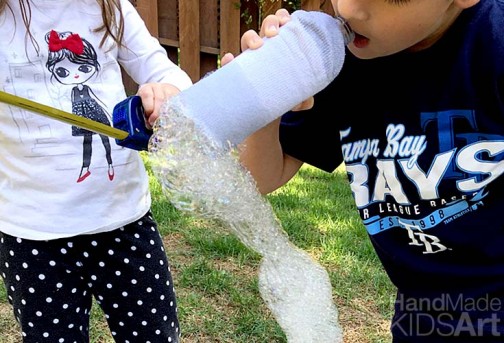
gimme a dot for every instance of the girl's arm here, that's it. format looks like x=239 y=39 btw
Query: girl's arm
x=147 y=62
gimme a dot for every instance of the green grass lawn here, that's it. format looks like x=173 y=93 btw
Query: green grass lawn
x=215 y=275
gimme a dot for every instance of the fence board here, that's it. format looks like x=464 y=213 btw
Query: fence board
x=167 y=21
x=148 y=10
x=270 y=7
x=167 y=26
x=209 y=36
x=189 y=37
x=229 y=27
x=209 y=25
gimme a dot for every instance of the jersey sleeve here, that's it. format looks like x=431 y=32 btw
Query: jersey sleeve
x=312 y=136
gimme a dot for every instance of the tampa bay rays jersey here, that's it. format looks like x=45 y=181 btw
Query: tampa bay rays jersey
x=422 y=139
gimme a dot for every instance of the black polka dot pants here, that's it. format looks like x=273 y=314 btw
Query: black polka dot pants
x=50 y=285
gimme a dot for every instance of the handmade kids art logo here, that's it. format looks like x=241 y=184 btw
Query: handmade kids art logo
x=448 y=316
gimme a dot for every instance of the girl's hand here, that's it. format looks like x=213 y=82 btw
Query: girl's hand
x=253 y=40
x=153 y=95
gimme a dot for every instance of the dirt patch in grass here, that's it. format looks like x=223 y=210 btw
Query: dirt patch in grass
x=9 y=332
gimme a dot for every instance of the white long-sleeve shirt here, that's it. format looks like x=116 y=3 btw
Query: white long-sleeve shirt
x=40 y=159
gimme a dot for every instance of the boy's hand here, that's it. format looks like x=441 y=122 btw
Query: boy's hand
x=253 y=40
x=153 y=95
x=269 y=28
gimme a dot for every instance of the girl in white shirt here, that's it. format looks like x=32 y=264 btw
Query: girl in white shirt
x=75 y=219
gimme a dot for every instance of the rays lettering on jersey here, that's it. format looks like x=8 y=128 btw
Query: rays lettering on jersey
x=477 y=163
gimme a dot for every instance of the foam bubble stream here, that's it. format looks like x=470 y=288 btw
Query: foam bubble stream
x=201 y=177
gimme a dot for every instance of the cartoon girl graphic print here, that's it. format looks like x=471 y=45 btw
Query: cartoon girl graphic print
x=72 y=60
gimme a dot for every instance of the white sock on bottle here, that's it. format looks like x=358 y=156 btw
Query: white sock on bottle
x=260 y=85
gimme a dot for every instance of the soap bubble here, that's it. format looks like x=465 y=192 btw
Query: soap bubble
x=201 y=177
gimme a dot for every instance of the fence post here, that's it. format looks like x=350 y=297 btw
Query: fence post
x=189 y=37
x=229 y=27
x=168 y=27
x=209 y=35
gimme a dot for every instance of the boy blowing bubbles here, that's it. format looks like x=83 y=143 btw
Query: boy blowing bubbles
x=417 y=116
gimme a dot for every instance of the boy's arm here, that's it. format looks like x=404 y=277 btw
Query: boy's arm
x=261 y=153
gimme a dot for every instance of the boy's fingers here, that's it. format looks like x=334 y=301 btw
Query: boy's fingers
x=305 y=105
x=283 y=16
x=228 y=57
x=269 y=26
x=273 y=22
x=250 y=40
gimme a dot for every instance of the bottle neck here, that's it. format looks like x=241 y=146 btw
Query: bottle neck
x=348 y=33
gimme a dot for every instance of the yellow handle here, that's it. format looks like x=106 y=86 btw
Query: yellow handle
x=63 y=116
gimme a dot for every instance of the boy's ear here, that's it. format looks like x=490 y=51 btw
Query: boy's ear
x=463 y=4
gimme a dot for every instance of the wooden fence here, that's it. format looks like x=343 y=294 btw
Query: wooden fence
x=196 y=32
